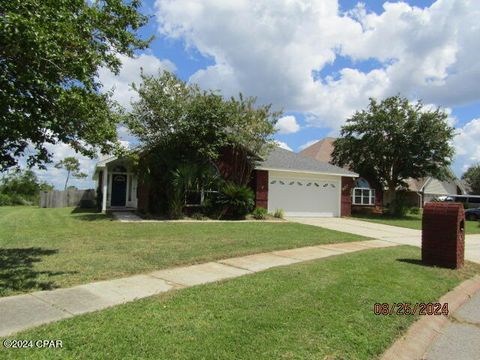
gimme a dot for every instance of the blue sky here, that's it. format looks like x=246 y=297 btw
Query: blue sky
x=317 y=60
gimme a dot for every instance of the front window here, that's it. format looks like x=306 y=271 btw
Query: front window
x=363 y=194
x=197 y=197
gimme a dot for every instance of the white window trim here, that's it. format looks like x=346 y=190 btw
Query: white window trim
x=202 y=193
x=371 y=194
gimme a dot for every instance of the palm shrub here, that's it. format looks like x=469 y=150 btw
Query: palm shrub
x=189 y=177
x=235 y=200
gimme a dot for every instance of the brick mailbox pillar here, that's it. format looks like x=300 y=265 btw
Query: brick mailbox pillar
x=443 y=234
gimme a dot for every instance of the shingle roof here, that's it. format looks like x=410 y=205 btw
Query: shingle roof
x=321 y=150
x=281 y=159
x=416 y=184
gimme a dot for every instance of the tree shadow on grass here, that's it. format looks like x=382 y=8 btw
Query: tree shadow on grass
x=17 y=273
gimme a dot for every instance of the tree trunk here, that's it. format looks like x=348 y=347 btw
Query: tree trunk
x=392 y=194
x=66 y=182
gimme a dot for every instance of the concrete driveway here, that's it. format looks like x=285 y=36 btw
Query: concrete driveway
x=390 y=233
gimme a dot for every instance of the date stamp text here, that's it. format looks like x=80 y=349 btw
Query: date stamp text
x=410 y=309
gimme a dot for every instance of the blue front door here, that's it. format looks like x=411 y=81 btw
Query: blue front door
x=119 y=190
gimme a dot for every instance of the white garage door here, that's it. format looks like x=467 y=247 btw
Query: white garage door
x=304 y=197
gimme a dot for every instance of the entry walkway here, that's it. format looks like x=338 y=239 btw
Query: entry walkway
x=25 y=311
x=395 y=234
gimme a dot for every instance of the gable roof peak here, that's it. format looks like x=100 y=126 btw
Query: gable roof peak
x=320 y=150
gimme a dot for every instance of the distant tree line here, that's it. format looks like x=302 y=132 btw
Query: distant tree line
x=21 y=187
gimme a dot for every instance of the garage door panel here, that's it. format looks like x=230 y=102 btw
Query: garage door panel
x=304 y=197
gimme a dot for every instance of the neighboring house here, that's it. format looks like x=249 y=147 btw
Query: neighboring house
x=367 y=196
x=299 y=185
x=429 y=188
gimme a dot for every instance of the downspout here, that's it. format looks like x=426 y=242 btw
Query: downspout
x=420 y=199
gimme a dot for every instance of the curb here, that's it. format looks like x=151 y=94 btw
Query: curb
x=415 y=344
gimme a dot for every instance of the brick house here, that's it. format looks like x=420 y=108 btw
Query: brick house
x=299 y=185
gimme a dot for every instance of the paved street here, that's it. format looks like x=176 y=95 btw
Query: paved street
x=460 y=339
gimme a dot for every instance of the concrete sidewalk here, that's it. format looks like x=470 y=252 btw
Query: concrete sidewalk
x=25 y=311
x=395 y=234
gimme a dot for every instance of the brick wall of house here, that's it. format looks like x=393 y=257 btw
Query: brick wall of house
x=232 y=165
x=378 y=198
x=346 y=201
x=225 y=164
x=260 y=187
x=143 y=196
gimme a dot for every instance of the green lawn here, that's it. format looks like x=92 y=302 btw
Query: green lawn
x=412 y=222
x=321 y=309
x=49 y=248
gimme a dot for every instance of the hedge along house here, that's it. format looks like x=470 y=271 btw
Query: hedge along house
x=299 y=185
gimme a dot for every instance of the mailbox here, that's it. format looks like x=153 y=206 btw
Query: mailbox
x=443 y=234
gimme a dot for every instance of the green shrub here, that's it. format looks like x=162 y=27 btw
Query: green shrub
x=398 y=207
x=235 y=200
x=279 y=213
x=5 y=200
x=175 y=208
x=197 y=216
x=414 y=210
x=210 y=206
x=260 y=213
x=15 y=199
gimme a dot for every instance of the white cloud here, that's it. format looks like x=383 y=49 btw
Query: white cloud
x=130 y=73
x=287 y=125
x=467 y=146
x=126 y=137
x=307 y=144
x=283 y=145
x=271 y=49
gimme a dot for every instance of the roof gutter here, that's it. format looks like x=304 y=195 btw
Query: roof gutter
x=307 y=172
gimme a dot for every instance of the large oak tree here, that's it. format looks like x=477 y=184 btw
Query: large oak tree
x=180 y=125
x=50 y=52
x=393 y=140
x=472 y=178
x=193 y=125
